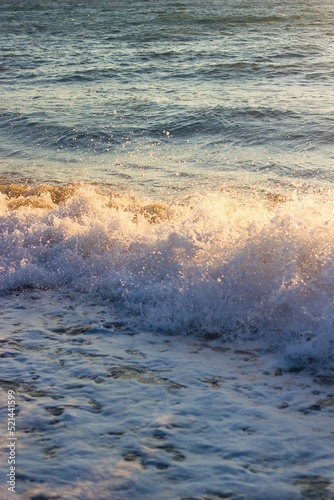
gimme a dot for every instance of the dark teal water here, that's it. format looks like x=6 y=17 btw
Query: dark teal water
x=158 y=97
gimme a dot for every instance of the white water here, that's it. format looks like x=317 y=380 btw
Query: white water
x=240 y=264
x=105 y=412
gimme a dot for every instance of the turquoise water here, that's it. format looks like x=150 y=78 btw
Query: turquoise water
x=166 y=248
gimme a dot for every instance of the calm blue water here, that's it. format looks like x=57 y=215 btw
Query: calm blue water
x=166 y=168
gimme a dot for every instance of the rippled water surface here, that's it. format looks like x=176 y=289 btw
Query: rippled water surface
x=167 y=248
x=159 y=96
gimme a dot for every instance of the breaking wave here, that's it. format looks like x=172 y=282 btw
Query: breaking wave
x=217 y=264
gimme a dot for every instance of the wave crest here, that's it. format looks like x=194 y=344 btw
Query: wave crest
x=222 y=263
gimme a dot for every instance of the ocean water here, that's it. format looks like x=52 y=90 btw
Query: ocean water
x=167 y=248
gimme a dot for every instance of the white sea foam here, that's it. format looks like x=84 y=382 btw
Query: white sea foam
x=154 y=416
x=224 y=263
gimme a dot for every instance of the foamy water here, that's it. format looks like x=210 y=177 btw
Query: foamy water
x=166 y=249
x=109 y=412
x=223 y=263
x=168 y=350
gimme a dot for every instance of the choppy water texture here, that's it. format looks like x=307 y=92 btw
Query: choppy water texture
x=152 y=92
x=166 y=248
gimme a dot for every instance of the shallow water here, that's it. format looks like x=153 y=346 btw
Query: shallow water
x=166 y=248
x=107 y=412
